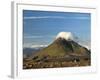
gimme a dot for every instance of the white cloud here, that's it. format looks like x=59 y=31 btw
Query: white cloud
x=33 y=36
x=56 y=17
x=49 y=36
x=43 y=17
x=37 y=46
x=85 y=44
x=28 y=45
x=65 y=35
x=82 y=18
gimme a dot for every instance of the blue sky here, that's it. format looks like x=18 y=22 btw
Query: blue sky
x=41 y=27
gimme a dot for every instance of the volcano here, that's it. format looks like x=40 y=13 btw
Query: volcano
x=63 y=52
x=63 y=46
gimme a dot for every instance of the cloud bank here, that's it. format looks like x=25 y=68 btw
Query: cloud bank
x=55 y=17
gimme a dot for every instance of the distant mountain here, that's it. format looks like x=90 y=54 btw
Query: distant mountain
x=27 y=52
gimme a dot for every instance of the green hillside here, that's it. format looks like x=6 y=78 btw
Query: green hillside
x=62 y=47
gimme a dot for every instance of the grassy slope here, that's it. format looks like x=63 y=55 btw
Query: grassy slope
x=61 y=48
